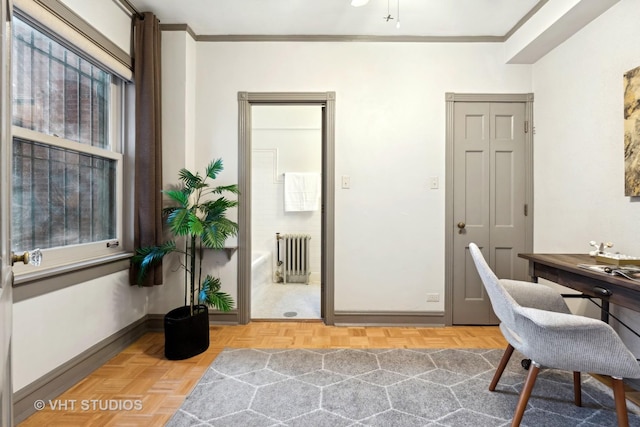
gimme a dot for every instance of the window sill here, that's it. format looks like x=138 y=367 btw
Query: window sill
x=47 y=280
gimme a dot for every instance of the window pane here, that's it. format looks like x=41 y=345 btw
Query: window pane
x=56 y=91
x=61 y=197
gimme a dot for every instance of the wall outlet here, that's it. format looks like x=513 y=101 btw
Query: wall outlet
x=346 y=181
x=434 y=183
x=433 y=297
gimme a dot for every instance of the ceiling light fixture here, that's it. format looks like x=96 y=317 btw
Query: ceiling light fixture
x=358 y=3
x=388 y=17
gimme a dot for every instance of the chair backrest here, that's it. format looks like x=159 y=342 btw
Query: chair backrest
x=501 y=301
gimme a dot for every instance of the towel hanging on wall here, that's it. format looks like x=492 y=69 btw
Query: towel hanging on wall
x=302 y=191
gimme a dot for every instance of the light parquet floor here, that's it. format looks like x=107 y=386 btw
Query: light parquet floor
x=141 y=373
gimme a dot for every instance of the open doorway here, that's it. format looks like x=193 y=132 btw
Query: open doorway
x=286 y=189
x=325 y=104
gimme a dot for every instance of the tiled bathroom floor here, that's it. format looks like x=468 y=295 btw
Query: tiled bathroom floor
x=280 y=301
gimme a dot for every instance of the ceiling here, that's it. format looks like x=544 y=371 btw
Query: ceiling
x=422 y=18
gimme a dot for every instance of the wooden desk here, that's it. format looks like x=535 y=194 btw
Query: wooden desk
x=563 y=269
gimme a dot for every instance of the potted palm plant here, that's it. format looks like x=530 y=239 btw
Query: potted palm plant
x=197 y=214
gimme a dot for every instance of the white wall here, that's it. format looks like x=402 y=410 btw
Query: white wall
x=390 y=138
x=178 y=101
x=181 y=149
x=53 y=328
x=579 y=155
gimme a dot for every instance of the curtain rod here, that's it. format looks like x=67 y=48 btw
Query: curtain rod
x=131 y=8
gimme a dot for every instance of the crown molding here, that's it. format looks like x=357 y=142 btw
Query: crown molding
x=351 y=37
x=347 y=38
x=525 y=18
x=179 y=27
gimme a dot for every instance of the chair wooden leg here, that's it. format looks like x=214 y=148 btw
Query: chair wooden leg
x=503 y=364
x=525 y=394
x=621 y=403
x=577 y=389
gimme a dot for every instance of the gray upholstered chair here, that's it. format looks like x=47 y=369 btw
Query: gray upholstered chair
x=536 y=322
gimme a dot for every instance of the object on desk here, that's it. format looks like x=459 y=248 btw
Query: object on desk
x=599 y=247
x=617 y=259
x=630 y=272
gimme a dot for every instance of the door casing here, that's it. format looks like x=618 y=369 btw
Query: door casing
x=327 y=101
x=450 y=221
x=6 y=274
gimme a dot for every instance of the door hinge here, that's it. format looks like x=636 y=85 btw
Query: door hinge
x=526 y=126
x=526 y=209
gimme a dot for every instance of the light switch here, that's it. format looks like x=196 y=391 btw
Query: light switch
x=346 y=181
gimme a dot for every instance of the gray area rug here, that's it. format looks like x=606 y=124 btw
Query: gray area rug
x=392 y=387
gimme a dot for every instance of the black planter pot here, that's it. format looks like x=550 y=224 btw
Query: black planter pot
x=186 y=335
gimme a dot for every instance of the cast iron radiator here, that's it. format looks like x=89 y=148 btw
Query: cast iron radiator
x=296 y=258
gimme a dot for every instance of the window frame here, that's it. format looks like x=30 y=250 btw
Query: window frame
x=82 y=262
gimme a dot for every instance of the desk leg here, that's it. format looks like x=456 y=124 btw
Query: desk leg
x=532 y=269
x=526 y=363
x=604 y=311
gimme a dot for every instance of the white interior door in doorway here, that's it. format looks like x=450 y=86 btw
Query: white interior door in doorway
x=490 y=201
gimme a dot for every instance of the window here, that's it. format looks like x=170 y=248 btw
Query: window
x=67 y=150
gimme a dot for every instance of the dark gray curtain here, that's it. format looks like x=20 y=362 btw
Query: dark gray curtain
x=148 y=143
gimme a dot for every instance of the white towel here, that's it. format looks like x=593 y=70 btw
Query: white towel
x=302 y=191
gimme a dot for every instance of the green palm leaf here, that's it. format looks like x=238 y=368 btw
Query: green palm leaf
x=190 y=180
x=212 y=296
x=214 y=168
x=226 y=188
x=196 y=227
x=218 y=232
x=149 y=256
x=179 y=196
x=169 y=210
x=217 y=208
x=178 y=221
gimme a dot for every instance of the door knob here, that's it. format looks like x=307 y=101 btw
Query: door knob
x=33 y=257
x=461 y=226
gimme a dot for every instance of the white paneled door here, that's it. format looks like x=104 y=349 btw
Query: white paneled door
x=6 y=276
x=489 y=201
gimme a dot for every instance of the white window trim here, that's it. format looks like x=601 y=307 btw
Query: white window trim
x=67 y=144
x=77 y=254
x=67 y=259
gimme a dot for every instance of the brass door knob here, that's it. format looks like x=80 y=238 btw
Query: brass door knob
x=461 y=226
